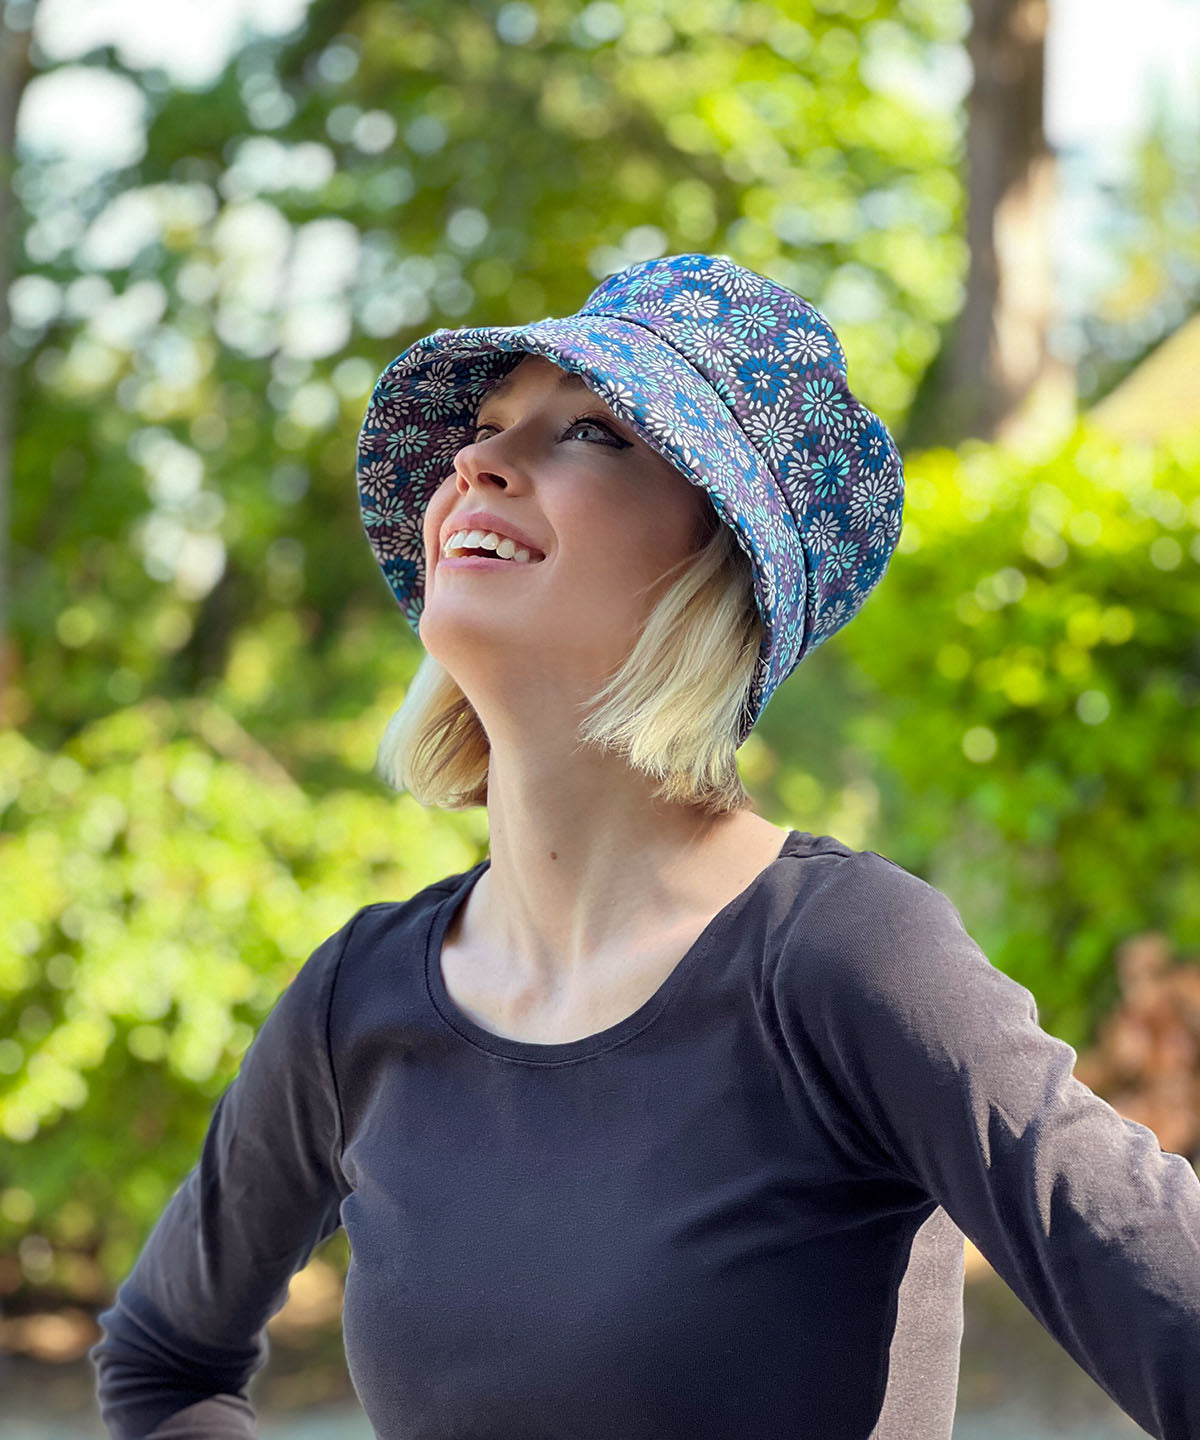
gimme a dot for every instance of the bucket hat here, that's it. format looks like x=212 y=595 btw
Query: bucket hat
x=733 y=378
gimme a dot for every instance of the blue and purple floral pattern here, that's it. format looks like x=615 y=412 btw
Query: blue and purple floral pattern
x=733 y=378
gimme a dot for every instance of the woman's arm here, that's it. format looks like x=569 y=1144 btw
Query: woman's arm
x=937 y=1059
x=186 y=1330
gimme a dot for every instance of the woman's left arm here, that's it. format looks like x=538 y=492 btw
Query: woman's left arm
x=938 y=1057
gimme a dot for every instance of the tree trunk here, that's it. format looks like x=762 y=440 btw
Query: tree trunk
x=15 y=72
x=996 y=372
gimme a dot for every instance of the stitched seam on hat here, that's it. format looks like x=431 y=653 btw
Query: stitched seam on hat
x=779 y=485
x=812 y=600
x=691 y=364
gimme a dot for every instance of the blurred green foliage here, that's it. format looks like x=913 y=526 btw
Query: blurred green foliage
x=1155 y=239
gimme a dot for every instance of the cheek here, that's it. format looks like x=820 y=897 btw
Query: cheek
x=621 y=579
x=440 y=505
x=664 y=540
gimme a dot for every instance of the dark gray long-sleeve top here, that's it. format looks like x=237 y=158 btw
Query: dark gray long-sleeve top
x=738 y=1212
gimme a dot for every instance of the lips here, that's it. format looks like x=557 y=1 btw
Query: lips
x=488 y=562
x=484 y=520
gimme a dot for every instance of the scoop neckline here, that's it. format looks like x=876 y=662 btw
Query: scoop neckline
x=564 y=1051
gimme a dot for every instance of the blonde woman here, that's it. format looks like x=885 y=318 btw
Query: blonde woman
x=661 y=1122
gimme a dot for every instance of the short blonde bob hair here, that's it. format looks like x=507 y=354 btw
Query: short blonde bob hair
x=672 y=707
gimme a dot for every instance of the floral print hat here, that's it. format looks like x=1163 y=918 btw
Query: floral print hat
x=733 y=378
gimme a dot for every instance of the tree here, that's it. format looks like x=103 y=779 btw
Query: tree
x=995 y=359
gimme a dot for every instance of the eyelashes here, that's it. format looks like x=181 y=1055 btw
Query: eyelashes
x=618 y=441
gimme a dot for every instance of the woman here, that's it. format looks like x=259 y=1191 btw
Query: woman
x=661 y=1121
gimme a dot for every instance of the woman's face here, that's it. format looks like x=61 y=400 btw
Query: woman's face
x=609 y=514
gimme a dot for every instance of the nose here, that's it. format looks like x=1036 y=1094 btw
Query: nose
x=469 y=471
x=482 y=478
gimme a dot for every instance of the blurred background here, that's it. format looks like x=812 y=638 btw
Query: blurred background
x=219 y=224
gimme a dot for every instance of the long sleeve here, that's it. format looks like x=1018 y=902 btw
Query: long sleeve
x=186 y=1330
x=932 y=1061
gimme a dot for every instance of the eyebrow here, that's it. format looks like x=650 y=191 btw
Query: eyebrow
x=567 y=380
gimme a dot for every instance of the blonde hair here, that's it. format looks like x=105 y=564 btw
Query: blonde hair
x=672 y=707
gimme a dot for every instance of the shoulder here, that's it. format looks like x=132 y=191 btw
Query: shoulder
x=879 y=978
x=393 y=919
x=862 y=927
x=375 y=934
x=841 y=895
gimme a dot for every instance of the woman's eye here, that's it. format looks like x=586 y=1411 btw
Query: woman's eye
x=582 y=420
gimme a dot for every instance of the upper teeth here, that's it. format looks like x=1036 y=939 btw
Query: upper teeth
x=487 y=540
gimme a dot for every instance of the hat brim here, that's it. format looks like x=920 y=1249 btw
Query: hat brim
x=423 y=411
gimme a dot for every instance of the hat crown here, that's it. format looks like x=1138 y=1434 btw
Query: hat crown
x=749 y=336
x=758 y=345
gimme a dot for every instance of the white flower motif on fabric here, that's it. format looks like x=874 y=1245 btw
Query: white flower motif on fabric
x=870 y=499
x=407 y=410
x=675 y=430
x=438 y=385
x=769 y=586
x=774 y=431
x=738 y=282
x=403 y=365
x=697 y=305
x=388 y=542
x=798 y=472
x=885 y=535
x=804 y=346
x=657 y=315
x=619 y=395
x=708 y=349
x=375 y=478
x=833 y=615
x=822 y=530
